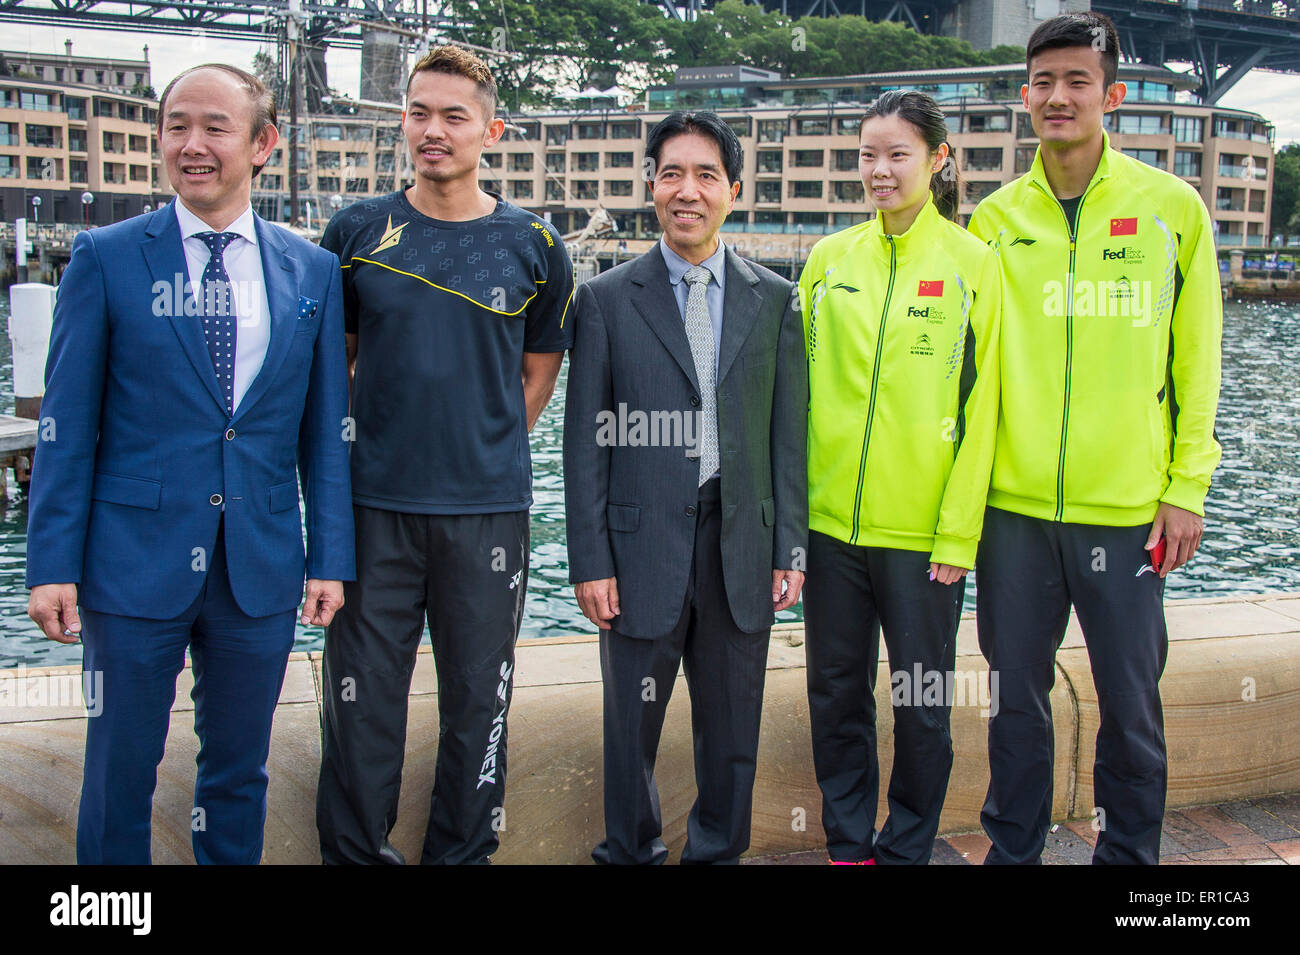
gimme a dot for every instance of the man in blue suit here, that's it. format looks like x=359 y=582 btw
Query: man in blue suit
x=196 y=362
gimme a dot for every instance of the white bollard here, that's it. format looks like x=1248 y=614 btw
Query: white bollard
x=31 y=316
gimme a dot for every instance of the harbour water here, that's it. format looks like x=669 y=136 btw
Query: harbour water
x=1252 y=529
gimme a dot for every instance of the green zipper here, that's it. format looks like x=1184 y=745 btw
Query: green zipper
x=875 y=380
x=1069 y=351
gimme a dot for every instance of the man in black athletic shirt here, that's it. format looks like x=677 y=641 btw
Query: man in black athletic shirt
x=456 y=306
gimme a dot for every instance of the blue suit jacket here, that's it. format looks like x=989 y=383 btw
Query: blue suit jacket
x=136 y=442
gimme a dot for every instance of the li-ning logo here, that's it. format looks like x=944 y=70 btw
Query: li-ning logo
x=391 y=236
x=1145 y=568
x=514 y=580
x=847 y=288
x=1023 y=241
x=488 y=773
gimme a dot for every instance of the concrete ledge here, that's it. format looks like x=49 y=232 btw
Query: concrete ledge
x=1231 y=690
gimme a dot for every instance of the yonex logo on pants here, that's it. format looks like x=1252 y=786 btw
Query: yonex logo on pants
x=488 y=772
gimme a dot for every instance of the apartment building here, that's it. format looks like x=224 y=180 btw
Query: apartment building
x=800 y=174
x=110 y=75
x=63 y=139
x=341 y=158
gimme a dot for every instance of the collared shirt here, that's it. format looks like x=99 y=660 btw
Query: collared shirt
x=714 y=293
x=243 y=262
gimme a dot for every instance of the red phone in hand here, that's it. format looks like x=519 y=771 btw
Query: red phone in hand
x=1157 y=554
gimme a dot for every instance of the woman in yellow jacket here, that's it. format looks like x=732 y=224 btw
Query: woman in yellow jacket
x=901 y=323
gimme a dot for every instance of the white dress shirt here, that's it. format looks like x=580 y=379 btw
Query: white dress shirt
x=243 y=261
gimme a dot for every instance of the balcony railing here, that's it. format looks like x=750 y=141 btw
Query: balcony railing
x=814 y=228
x=1243 y=172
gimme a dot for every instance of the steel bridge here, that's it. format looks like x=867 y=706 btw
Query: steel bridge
x=1221 y=39
x=338 y=21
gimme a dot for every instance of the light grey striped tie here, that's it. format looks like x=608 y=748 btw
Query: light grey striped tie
x=699 y=331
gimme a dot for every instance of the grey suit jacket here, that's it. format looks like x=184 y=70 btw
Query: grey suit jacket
x=631 y=492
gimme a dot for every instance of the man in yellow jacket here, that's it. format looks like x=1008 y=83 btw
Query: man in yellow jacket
x=1110 y=380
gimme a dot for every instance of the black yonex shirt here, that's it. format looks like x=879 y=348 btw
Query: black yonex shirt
x=443 y=313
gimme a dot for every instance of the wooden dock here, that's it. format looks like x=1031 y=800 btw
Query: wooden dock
x=17 y=443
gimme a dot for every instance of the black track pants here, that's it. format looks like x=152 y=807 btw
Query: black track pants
x=1030 y=572
x=851 y=594
x=468 y=574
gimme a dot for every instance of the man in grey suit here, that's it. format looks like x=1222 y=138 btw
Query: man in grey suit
x=685 y=468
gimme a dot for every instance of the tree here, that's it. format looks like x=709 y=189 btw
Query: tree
x=1000 y=55
x=733 y=33
x=1284 y=219
x=542 y=47
x=741 y=33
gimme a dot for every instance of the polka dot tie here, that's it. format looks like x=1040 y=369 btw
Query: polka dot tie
x=218 y=306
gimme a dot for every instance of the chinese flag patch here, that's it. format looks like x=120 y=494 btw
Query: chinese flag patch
x=1124 y=226
x=934 y=289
